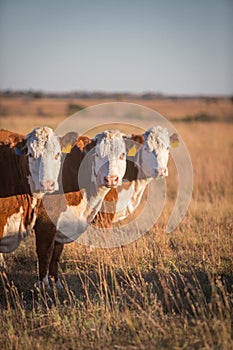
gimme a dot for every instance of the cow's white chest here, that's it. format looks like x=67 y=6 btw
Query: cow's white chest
x=14 y=231
x=124 y=204
x=14 y=224
x=72 y=222
x=129 y=200
x=124 y=198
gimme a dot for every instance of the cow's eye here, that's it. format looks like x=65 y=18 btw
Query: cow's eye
x=122 y=156
x=30 y=155
x=57 y=156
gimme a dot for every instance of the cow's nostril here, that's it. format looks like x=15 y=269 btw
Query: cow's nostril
x=115 y=179
x=111 y=180
x=163 y=172
x=106 y=179
x=47 y=185
x=52 y=184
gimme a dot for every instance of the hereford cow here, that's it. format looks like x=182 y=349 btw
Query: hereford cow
x=151 y=160
x=63 y=217
x=29 y=168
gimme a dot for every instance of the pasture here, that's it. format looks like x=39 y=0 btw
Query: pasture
x=164 y=291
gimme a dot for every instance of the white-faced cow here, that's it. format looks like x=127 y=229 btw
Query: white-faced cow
x=29 y=168
x=63 y=217
x=151 y=162
x=148 y=156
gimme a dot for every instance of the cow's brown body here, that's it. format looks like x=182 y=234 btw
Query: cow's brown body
x=48 y=249
x=13 y=168
x=15 y=196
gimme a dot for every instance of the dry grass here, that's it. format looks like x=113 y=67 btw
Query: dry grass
x=164 y=291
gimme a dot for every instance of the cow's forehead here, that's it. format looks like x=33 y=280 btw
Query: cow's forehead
x=157 y=137
x=41 y=139
x=109 y=135
x=110 y=142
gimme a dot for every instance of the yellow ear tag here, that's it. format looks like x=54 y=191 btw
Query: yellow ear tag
x=132 y=151
x=67 y=148
x=175 y=144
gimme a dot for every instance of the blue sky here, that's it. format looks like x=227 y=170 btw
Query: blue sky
x=167 y=46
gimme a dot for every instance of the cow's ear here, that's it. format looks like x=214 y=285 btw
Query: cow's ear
x=14 y=139
x=82 y=142
x=132 y=151
x=174 y=140
x=90 y=145
x=134 y=144
x=68 y=140
x=20 y=147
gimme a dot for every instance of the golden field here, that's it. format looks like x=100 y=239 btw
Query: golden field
x=164 y=291
x=23 y=114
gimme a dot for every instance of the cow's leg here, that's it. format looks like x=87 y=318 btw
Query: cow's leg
x=53 y=267
x=45 y=235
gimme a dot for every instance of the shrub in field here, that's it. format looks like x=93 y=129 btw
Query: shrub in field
x=73 y=108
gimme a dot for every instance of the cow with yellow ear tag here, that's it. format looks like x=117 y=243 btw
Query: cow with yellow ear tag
x=147 y=158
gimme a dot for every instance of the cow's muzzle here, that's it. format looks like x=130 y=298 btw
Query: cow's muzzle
x=47 y=186
x=111 y=181
x=162 y=172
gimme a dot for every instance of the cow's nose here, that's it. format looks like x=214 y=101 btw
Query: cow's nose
x=111 y=180
x=163 y=172
x=48 y=185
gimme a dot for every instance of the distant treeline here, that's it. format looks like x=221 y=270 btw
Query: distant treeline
x=107 y=95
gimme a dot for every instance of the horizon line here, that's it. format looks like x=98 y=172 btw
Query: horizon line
x=118 y=93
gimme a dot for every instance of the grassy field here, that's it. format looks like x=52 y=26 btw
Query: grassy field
x=164 y=291
x=23 y=114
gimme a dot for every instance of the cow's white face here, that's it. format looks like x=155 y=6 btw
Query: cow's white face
x=44 y=157
x=154 y=153
x=109 y=164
